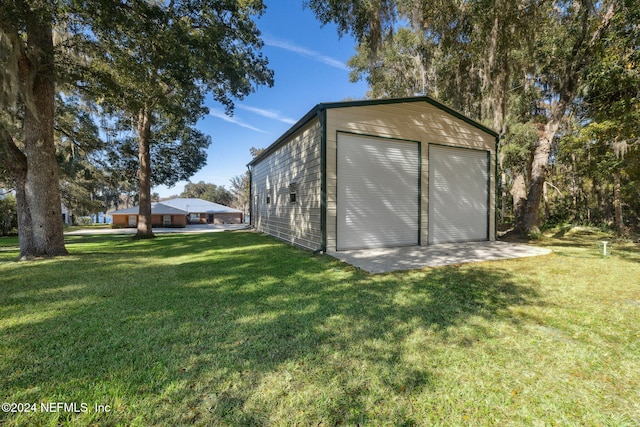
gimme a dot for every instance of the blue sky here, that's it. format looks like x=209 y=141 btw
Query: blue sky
x=309 y=62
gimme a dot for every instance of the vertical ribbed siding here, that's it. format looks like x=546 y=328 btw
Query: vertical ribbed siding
x=297 y=161
x=458 y=194
x=378 y=192
x=416 y=121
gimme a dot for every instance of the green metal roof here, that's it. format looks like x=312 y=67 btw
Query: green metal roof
x=315 y=111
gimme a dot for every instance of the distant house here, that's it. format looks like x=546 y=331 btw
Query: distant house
x=162 y=215
x=204 y=212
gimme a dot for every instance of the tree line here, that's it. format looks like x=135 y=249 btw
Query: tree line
x=558 y=79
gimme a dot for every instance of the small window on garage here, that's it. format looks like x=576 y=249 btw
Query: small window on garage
x=268 y=195
x=293 y=192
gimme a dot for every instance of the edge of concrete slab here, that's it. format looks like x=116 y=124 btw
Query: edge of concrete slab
x=383 y=260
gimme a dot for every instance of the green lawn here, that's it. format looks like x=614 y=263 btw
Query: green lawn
x=240 y=329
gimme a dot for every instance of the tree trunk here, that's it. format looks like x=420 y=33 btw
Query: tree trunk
x=144 y=178
x=617 y=203
x=519 y=194
x=545 y=197
x=37 y=186
x=574 y=187
x=583 y=47
x=530 y=222
x=503 y=185
x=15 y=162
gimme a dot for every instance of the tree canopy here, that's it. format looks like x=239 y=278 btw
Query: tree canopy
x=156 y=69
x=208 y=191
x=524 y=68
x=147 y=64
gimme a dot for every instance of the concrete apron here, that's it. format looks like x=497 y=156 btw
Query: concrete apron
x=383 y=260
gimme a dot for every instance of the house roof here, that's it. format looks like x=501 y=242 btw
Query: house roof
x=156 y=209
x=318 y=109
x=194 y=205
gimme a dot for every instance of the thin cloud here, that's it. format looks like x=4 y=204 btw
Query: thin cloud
x=270 y=114
x=317 y=56
x=236 y=121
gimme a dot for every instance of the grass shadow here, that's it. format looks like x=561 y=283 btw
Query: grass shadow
x=588 y=243
x=213 y=324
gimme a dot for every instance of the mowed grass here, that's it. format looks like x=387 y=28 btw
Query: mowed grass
x=241 y=329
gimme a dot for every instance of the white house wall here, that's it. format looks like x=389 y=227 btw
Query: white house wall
x=298 y=160
x=415 y=121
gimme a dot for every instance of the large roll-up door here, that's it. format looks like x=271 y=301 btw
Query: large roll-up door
x=458 y=194
x=378 y=191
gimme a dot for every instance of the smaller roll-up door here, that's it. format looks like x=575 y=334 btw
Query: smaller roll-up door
x=378 y=191
x=458 y=195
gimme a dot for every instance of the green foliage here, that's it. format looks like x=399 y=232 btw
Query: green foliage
x=150 y=66
x=604 y=143
x=178 y=159
x=151 y=63
x=398 y=71
x=535 y=72
x=585 y=162
x=168 y=56
x=370 y=22
x=518 y=145
x=211 y=192
x=240 y=185
x=8 y=215
x=77 y=142
x=177 y=153
x=241 y=191
x=613 y=88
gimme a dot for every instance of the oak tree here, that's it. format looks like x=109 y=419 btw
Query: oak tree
x=156 y=62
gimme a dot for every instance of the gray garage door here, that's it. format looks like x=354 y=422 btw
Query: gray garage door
x=378 y=192
x=458 y=195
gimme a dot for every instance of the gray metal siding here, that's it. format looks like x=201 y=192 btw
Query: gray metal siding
x=297 y=160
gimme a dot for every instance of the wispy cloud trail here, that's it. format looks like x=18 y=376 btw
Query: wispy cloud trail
x=317 y=56
x=221 y=115
x=270 y=114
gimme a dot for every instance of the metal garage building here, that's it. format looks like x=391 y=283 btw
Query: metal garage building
x=377 y=173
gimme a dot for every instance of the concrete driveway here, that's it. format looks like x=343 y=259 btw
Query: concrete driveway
x=384 y=260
